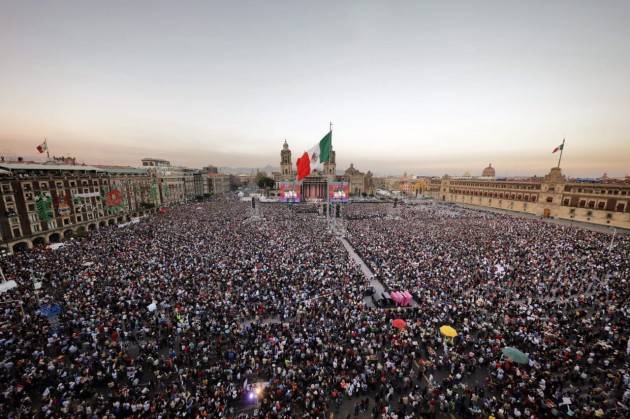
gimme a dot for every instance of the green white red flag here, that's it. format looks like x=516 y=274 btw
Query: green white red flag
x=315 y=158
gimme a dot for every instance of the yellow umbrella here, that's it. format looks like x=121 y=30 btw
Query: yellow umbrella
x=448 y=331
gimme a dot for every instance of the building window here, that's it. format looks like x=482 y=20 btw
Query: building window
x=549 y=199
x=601 y=205
x=566 y=202
x=17 y=232
x=33 y=217
x=30 y=207
x=621 y=206
x=43 y=185
x=36 y=228
x=591 y=204
x=66 y=221
x=73 y=183
x=11 y=212
x=59 y=184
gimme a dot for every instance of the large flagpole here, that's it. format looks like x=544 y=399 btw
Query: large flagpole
x=327 y=185
x=561 y=150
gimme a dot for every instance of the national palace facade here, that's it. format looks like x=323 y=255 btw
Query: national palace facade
x=605 y=202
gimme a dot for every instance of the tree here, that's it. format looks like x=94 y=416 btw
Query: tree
x=265 y=182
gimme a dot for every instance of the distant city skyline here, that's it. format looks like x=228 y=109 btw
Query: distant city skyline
x=422 y=87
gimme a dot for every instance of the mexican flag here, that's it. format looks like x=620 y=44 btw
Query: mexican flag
x=560 y=147
x=42 y=147
x=315 y=158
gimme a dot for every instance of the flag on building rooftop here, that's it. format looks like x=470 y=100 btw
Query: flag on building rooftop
x=315 y=158
x=559 y=148
x=42 y=147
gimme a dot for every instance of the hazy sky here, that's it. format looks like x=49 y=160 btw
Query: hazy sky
x=430 y=87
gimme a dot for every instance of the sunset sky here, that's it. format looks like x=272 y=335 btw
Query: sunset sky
x=427 y=87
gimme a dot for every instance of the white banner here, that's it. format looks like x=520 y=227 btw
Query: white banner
x=134 y=220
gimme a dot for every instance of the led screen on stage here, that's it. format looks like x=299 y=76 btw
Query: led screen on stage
x=338 y=191
x=289 y=192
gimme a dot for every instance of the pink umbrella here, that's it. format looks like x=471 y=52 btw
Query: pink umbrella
x=408 y=297
x=398 y=298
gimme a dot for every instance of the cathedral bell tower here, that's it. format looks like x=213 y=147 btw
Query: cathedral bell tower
x=330 y=167
x=285 y=161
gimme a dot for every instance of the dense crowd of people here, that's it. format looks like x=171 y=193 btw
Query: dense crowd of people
x=207 y=311
x=558 y=293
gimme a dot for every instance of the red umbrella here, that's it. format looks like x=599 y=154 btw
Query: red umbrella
x=399 y=324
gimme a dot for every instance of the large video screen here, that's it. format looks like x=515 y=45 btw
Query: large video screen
x=290 y=192
x=338 y=191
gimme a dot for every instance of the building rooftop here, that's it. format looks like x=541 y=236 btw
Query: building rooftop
x=8 y=167
x=42 y=166
x=152 y=159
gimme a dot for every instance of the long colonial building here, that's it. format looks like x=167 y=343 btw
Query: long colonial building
x=606 y=203
x=43 y=203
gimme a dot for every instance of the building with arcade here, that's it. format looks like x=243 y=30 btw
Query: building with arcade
x=602 y=201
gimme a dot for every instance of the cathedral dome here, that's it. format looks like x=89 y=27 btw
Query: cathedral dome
x=488 y=171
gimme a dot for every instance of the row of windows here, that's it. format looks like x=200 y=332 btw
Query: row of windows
x=622 y=192
x=499 y=185
x=59 y=184
x=501 y=195
x=603 y=205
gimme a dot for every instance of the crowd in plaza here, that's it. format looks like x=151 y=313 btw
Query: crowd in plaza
x=558 y=293
x=209 y=311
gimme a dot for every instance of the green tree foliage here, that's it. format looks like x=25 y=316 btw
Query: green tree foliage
x=265 y=182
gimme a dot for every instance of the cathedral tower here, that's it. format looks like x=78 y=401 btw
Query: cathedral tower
x=286 y=166
x=330 y=167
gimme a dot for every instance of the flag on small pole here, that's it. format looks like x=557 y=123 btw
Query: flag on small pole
x=560 y=148
x=44 y=147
